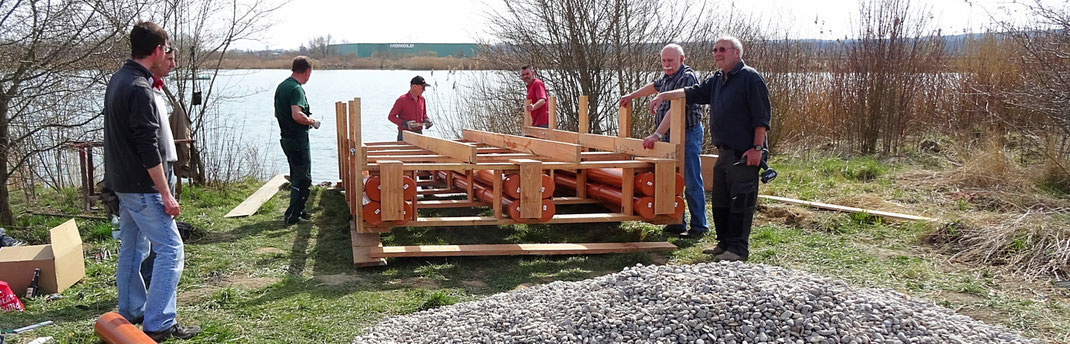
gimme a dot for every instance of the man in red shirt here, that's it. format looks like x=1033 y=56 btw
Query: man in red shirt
x=540 y=113
x=410 y=110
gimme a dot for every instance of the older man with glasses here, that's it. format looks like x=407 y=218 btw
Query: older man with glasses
x=739 y=119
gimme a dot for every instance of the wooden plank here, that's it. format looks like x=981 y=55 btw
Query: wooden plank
x=357 y=160
x=664 y=185
x=392 y=196
x=463 y=152
x=574 y=200
x=552 y=135
x=364 y=244
x=819 y=205
x=627 y=191
x=460 y=167
x=546 y=149
x=676 y=131
x=450 y=203
x=527 y=114
x=453 y=221
x=553 y=112
x=584 y=123
x=340 y=134
x=624 y=121
x=413 y=158
x=400 y=152
x=519 y=249
x=627 y=145
x=707 y=161
x=372 y=146
x=604 y=156
x=496 y=188
x=530 y=188
x=581 y=179
x=250 y=205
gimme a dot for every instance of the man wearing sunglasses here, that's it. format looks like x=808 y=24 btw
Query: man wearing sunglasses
x=678 y=75
x=134 y=168
x=739 y=119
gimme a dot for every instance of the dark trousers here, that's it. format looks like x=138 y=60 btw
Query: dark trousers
x=299 y=157
x=401 y=136
x=735 y=192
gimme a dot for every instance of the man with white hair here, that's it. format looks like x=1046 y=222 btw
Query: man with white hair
x=678 y=75
x=739 y=119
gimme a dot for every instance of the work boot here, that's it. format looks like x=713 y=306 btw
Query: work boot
x=729 y=256
x=675 y=229
x=713 y=251
x=176 y=331
x=305 y=215
x=696 y=235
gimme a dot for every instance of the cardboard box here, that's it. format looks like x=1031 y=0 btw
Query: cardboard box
x=707 y=161
x=62 y=262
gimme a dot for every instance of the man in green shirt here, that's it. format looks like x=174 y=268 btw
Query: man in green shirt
x=291 y=109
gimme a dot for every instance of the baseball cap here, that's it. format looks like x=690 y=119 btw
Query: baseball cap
x=418 y=80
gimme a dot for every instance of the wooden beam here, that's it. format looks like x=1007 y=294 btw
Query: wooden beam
x=357 y=160
x=519 y=249
x=250 y=205
x=552 y=135
x=574 y=200
x=496 y=188
x=340 y=134
x=884 y=214
x=628 y=145
x=412 y=158
x=463 y=152
x=460 y=167
x=491 y=221
x=527 y=114
x=364 y=244
x=627 y=191
x=624 y=121
x=664 y=186
x=400 y=152
x=458 y=203
x=377 y=146
x=584 y=123
x=677 y=128
x=548 y=150
x=553 y=112
x=392 y=196
x=530 y=188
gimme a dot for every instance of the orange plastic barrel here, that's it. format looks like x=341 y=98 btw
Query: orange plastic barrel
x=374 y=190
x=644 y=183
x=511 y=184
x=373 y=213
x=513 y=207
x=112 y=328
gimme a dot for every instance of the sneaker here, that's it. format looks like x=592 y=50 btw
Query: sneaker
x=305 y=215
x=729 y=256
x=138 y=320
x=693 y=235
x=674 y=229
x=176 y=331
x=716 y=250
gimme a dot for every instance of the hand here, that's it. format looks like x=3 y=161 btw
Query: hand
x=625 y=101
x=753 y=157
x=411 y=125
x=428 y=124
x=529 y=107
x=649 y=141
x=655 y=103
x=316 y=123
x=170 y=205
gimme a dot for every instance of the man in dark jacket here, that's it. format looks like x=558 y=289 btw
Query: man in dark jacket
x=133 y=162
x=739 y=119
x=678 y=75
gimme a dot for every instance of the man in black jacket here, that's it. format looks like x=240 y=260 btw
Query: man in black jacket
x=133 y=162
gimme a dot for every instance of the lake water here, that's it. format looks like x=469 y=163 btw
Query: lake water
x=250 y=112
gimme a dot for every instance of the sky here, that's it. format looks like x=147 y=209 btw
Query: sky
x=462 y=21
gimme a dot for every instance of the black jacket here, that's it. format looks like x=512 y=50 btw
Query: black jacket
x=131 y=129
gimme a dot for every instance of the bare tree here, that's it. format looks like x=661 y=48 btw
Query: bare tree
x=53 y=53
x=204 y=32
x=318 y=47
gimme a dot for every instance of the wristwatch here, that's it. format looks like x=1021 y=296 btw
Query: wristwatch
x=659 y=135
x=757 y=147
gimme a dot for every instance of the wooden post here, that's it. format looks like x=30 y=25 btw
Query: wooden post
x=584 y=125
x=392 y=196
x=624 y=121
x=664 y=186
x=581 y=183
x=527 y=114
x=530 y=187
x=340 y=134
x=497 y=190
x=627 y=190
x=356 y=154
x=676 y=131
x=552 y=103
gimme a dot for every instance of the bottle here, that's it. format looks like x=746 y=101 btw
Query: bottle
x=32 y=289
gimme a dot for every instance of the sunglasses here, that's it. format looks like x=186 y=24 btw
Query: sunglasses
x=167 y=49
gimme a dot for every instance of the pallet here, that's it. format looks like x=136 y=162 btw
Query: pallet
x=540 y=151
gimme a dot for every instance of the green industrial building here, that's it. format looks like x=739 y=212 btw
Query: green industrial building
x=405 y=49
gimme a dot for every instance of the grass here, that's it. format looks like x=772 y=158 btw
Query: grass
x=255 y=280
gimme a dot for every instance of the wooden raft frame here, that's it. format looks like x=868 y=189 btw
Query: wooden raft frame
x=539 y=150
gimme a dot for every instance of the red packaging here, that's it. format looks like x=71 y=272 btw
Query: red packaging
x=8 y=300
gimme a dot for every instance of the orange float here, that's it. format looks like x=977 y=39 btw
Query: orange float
x=373 y=187
x=112 y=328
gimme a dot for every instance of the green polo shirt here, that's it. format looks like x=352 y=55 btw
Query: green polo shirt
x=287 y=94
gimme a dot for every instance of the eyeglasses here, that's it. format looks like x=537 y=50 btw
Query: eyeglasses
x=167 y=49
x=721 y=49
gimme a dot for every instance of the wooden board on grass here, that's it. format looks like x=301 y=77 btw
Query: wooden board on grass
x=250 y=205
x=517 y=249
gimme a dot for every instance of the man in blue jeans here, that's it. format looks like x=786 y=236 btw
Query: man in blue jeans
x=678 y=75
x=134 y=169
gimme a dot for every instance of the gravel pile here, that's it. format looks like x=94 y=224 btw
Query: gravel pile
x=703 y=303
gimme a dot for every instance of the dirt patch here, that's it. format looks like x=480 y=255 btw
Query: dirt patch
x=417 y=282
x=884 y=253
x=269 y=251
x=249 y=283
x=523 y=286
x=655 y=258
x=474 y=284
x=199 y=295
x=339 y=279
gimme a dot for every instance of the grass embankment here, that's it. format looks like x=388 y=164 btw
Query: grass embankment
x=256 y=280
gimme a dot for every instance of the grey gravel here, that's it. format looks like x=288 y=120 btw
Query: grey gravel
x=703 y=303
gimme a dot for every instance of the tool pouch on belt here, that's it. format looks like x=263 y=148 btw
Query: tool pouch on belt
x=742 y=187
